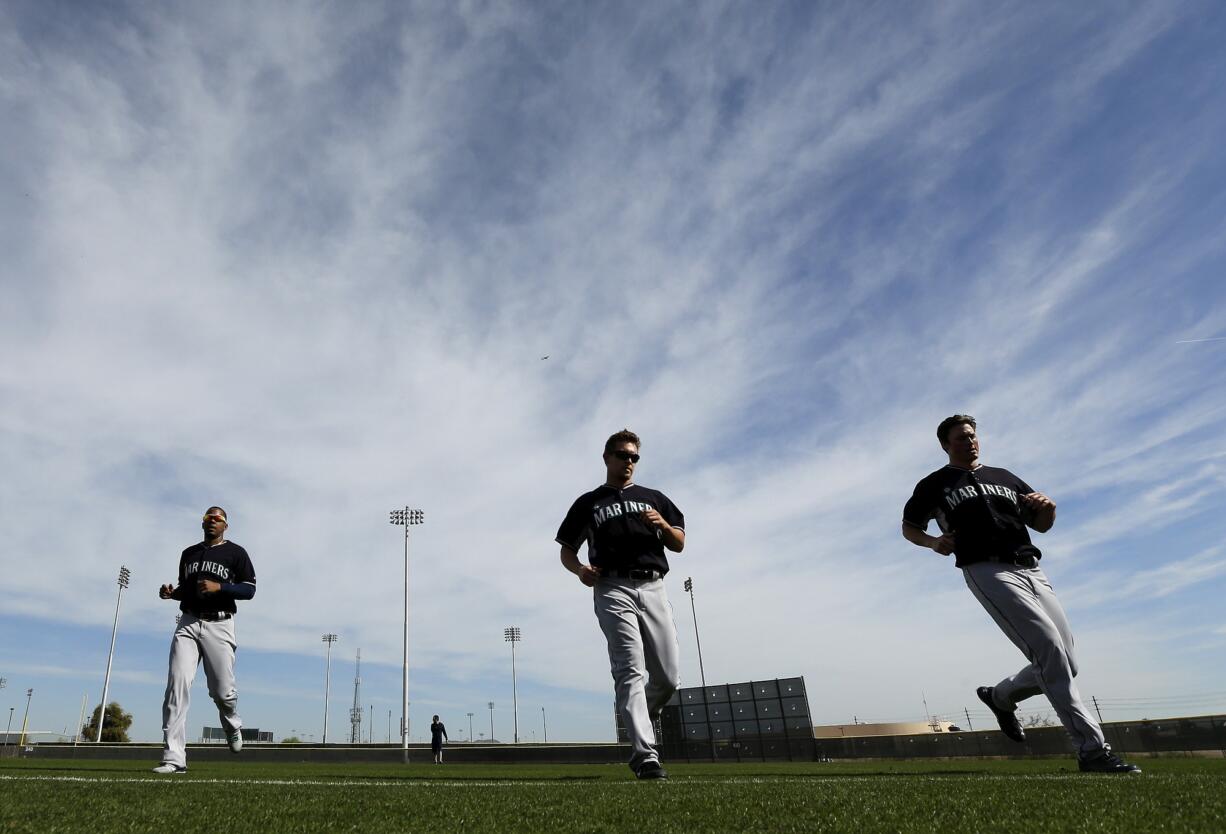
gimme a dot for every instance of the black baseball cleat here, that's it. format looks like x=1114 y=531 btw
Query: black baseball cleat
x=1007 y=719
x=651 y=769
x=1104 y=761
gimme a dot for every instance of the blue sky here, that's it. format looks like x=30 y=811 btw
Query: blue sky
x=303 y=261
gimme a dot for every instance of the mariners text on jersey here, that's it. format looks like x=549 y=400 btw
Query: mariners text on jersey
x=610 y=521
x=213 y=568
x=979 y=507
x=226 y=562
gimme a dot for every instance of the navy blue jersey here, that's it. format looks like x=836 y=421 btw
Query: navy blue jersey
x=979 y=506
x=227 y=563
x=617 y=537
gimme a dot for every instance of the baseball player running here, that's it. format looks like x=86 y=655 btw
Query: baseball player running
x=983 y=513
x=212 y=575
x=627 y=527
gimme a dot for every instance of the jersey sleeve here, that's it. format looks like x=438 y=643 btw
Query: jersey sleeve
x=244 y=571
x=179 y=593
x=669 y=512
x=574 y=527
x=920 y=507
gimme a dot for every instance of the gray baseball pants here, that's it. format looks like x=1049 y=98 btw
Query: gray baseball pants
x=194 y=641
x=644 y=659
x=1024 y=605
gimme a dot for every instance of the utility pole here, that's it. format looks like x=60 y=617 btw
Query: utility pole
x=933 y=724
x=491 y=705
x=355 y=713
x=329 y=639
x=544 y=727
x=124 y=576
x=470 y=728
x=1101 y=723
x=968 y=718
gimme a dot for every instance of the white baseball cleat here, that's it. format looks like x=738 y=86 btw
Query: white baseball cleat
x=235 y=740
x=167 y=767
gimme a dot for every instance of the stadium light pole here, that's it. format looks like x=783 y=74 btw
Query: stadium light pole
x=689 y=587
x=76 y=737
x=702 y=674
x=329 y=639
x=511 y=635
x=470 y=728
x=405 y=518
x=26 y=718
x=124 y=577
x=491 y=706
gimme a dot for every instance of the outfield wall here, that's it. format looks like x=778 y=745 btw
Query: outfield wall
x=375 y=753
x=1202 y=735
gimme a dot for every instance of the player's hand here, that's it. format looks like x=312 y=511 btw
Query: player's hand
x=588 y=575
x=166 y=591
x=652 y=517
x=208 y=586
x=1036 y=501
x=944 y=545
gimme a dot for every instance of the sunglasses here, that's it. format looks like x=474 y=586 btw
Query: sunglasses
x=630 y=456
x=215 y=517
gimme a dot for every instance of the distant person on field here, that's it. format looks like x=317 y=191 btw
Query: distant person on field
x=983 y=513
x=627 y=528
x=213 y=574
x=437 y=733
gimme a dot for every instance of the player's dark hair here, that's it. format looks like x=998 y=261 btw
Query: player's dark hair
x=623 y=436
x=949 y=422
x=221 y=510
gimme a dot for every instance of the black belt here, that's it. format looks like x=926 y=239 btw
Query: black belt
x=1020 y=561
x=212 y=616
x=632 y=573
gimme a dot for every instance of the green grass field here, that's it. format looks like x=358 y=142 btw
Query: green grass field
x=949 y=797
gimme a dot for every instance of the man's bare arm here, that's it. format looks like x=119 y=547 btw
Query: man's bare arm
x=943 y=544
x=671 y=537
x=586 y=573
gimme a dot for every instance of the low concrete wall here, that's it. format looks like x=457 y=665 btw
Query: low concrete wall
x=378 y=753
x=1198 y=735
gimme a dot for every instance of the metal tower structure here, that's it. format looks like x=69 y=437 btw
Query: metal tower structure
x=355 y=714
